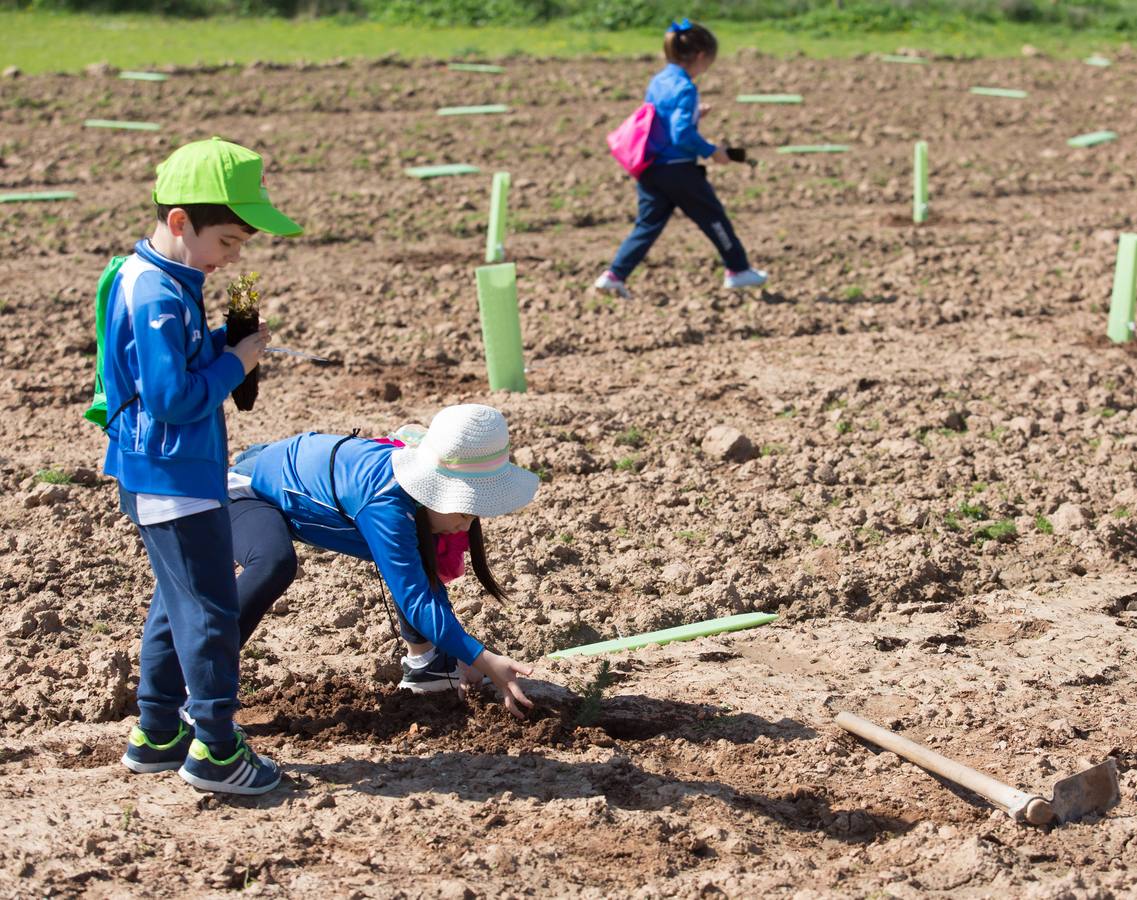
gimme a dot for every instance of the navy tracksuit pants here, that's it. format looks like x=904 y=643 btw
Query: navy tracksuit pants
x=660 y=189
x=191 y=639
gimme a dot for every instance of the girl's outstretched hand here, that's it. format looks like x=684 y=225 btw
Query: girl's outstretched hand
x=503 y=672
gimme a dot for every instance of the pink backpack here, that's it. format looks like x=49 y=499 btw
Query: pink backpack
x=628 y=143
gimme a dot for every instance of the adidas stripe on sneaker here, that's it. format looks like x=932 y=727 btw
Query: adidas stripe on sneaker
x=244 y=772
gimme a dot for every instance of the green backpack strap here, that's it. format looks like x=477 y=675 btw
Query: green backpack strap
x=98 y=410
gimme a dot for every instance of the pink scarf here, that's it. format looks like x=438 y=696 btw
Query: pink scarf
x=449 y=549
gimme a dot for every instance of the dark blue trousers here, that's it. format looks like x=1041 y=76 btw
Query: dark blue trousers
x=191 y=637
x=660 y=190
x=262 y=547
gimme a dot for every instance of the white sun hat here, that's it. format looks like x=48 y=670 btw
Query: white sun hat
x=462 y=465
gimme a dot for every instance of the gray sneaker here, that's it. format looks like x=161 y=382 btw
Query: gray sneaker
x=744 y=279
x=612 y=284
x=440 y=674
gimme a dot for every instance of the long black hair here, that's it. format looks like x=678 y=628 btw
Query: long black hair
x=477 y=554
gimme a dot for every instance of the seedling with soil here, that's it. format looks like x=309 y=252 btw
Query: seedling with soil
x=244 y=319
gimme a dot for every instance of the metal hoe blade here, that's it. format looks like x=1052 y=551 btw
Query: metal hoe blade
x=1091 y=791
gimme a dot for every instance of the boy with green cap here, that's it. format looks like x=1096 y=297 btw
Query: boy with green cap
x=166 y=377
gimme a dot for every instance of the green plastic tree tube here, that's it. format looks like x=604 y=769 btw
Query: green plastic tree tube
x=442 y=170
x=143 y=76
x=912 y=60
x=485 y=110
x=486 y=68
x=37 y=196
x=501 y=326
x=667 y=635
x=814 y=148
x=769 y=98
x=920 y=182
x=1092 y=139
x=1124 y=302
x=1008 y=93
x=125 y=126
x=495 y=233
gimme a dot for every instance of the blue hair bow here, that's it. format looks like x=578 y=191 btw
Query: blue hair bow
x=685 y=25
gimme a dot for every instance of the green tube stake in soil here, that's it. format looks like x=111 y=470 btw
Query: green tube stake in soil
x=1092 y=139
x=1007 y=93
x=485 y=68
x=667 y=635
x=894 y=58
x=920 y=182
x=143 y=76
x=814 y=148
x=442 y=170
x=122 y=126
x=37 y=196
x=769 y=98
x=1124 y=302
x=495 y=232
x=487 y=109
x=501 y=327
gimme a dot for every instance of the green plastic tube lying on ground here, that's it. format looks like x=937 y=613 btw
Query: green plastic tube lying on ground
x=439 y=171
x=37 y=196
x=125 y=126
x=667 y=635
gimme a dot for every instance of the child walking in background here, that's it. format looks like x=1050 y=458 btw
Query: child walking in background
x=412 y=505
x=166 y=376
x=675 y=179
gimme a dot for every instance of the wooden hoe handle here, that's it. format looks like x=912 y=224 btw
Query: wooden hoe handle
x=1020 y=806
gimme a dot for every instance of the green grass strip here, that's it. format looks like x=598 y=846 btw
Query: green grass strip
x=1092 y=139
x=36 y=196
x=440 y=171
x=912 y=60
x=814 y=148
x=143 y=76
x=124 y=126
x=769 y=98
x=1009 y=93
x=667 y=635
x=486 y=110
x=477 y=67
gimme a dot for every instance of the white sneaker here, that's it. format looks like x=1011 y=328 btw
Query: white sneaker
x=744 y=279
x=609 y=282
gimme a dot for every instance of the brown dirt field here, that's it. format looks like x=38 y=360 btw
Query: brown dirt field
x=903 y=388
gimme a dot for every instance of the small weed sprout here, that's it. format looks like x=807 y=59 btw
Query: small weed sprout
x=592 y=696
x=1043 y=524
x=1122 y=512
x=1003 y=530
x=627 y=464
x=53 y=476
x=633 y=438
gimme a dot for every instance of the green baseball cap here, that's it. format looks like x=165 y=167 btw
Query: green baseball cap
x=216 y=171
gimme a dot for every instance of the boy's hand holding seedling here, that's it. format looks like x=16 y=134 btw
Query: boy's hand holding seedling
x=250 y=349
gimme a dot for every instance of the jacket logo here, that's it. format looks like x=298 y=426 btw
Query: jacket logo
x=161 y=320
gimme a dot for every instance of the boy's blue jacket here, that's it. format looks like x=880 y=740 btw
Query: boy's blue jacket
x=675 y=132
x=293 y=474
x=171 y=439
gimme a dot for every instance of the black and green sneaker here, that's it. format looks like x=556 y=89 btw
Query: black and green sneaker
x=145 y=755
x=244 y=772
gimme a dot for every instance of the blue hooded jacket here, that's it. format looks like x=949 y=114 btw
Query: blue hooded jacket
x=169 y=375
x=294 y=475
x=675 y=134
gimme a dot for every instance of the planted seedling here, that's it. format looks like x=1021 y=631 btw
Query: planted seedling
x=244 y=319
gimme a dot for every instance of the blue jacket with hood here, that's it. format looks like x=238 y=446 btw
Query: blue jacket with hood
x=675 y=134
x=294 y=475
x=169 y=375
